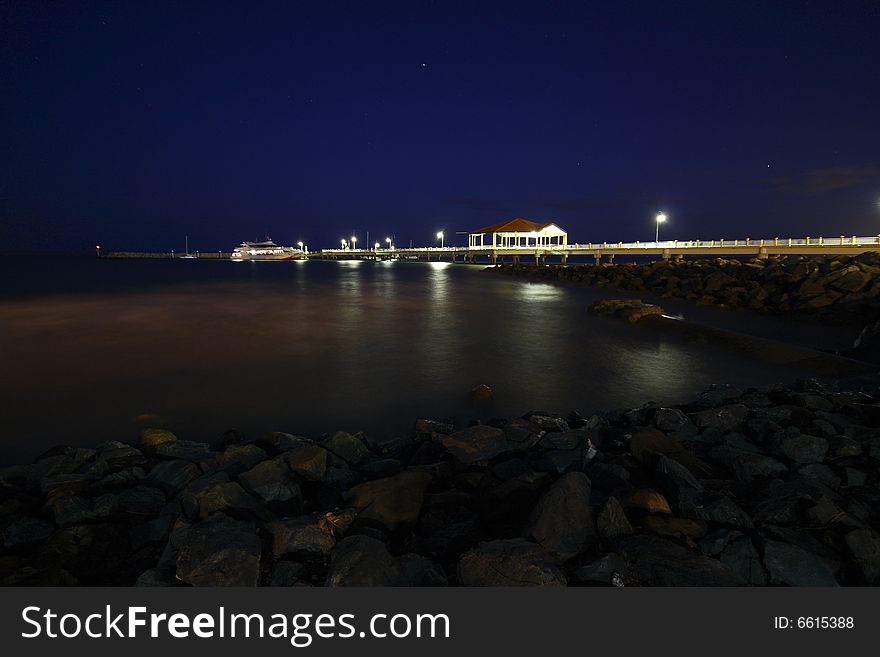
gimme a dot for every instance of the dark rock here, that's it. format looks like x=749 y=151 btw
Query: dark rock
x=571 y=439
x=560 y=461
x=236 y=459
x=347 y=447
x=416 y=570
x=675 y=527
x=804 y=448
x=392 y=502
x=512 y=562
x=613 y=523
x=864 y=545
x=608 y=476
x=186 y=450
x=363 y=561
x=562 y=521
x=381 y=467
x=230 y=498
x=141 y=502
x=647 y=500
x=724 y=418
x=151 y=532
x=521 y=432
x=647 y=446
x=549 y=422
x=475 y=444
x=713 y=507
x=118 y=456
x=304 y=536
x=220 y=552
x=793 y=566
x=171 y=477
x=26 y=533
x=601 y=571
x=481 y=394
x=654 y=561
x=670 y=420
x=747 y=465
x=307 y=461
x=152 y=438
x=286 y=573
x=273 y=483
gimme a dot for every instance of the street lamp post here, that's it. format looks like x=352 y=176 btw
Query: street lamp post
x=388 y=240
x=343 y=244
x=354 y=240
x=440 y=237
x=376 y=246
x=660 y=218
x=301 y=246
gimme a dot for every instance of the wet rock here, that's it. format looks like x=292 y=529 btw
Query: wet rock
x=220 y=552
x=152 y=438
x=307 y=461
x=612 y=523
x=793 y=566
x=673 y=477
x=562 y=521
x=427 y=428
x=71 y=510
x=304 y=536
x=510 y=562
x=66 y=460
x=392 y=502
x=156 y=578
x=608 y=477
x=347 y=447
x=822 y=474
x=118 y=481
x=560 y=461
x=481 y=394
x=654 y=561
x=363 y=561
x=171 y=477
x=864 y=545
x=475 y=444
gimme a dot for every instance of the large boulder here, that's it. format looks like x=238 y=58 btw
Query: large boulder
x=304 y=536
x=864 y=545
x=220 y=552
x=476 y=444
x=171 y=477
x=274 y=484
x=392 y=502
x=307 y=461
x=363 y=561
x=613 y=523
x=562 y=521
x=654 y=561
x=791 y=565
x=349 y=448
x=509 y=562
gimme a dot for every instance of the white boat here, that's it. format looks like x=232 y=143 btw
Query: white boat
x=266 y=250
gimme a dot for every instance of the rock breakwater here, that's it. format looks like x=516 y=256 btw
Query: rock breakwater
x=774 y=486
x=840 y=288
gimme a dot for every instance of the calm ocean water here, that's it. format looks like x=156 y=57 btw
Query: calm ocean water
x=311 y=347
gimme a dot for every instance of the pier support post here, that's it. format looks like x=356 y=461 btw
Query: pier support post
x=666 y=254
x=564 y=259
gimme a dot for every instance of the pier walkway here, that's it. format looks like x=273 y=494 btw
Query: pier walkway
x=669 y=249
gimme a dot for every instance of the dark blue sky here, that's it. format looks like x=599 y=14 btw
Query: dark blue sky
x=134 y=124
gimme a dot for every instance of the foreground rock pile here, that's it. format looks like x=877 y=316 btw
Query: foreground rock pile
x=839 y=288
x=758 y=487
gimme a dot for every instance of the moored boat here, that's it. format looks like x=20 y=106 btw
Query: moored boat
x=266 y=250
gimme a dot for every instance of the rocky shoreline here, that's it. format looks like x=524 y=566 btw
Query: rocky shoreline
x=774 y=486
x=839 y=289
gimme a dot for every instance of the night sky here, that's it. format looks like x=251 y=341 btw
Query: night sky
x=134 y=124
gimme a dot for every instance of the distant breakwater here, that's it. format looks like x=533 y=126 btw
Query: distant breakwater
x=135 y=255
x=841 y=289
x=773 y=486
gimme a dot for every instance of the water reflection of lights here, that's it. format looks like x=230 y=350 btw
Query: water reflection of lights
x=540 y=292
